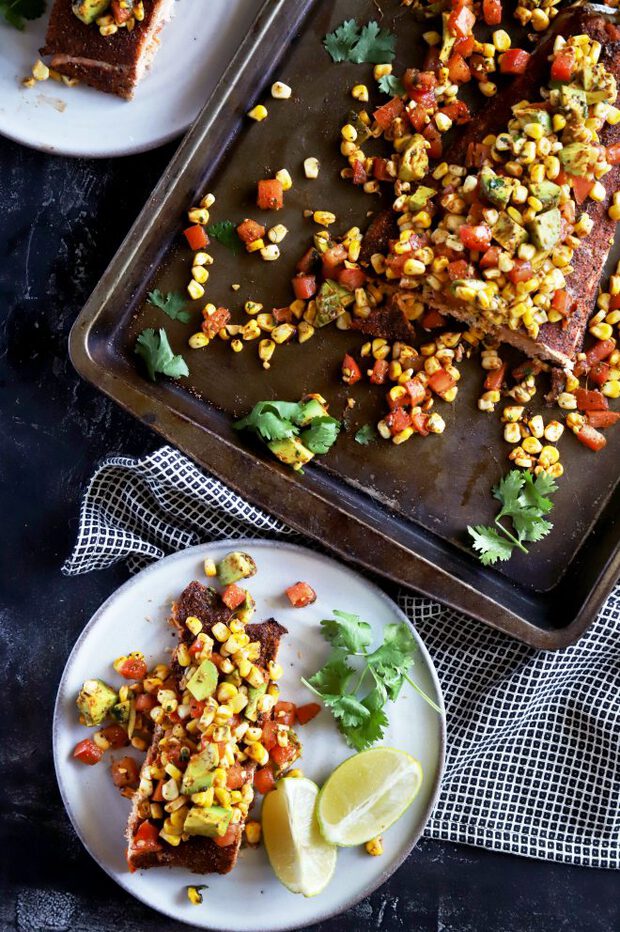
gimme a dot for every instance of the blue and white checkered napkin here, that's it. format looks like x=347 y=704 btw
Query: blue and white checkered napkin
x=533 y=761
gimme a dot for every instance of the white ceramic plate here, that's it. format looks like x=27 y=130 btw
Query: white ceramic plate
x=197 y=44
x=134 y=619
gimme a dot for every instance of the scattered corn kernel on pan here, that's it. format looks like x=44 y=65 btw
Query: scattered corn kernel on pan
x=400 y=511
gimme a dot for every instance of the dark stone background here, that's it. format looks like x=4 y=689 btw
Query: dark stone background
x=60 y=223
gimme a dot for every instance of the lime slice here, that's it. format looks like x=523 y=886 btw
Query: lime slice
x=301 y=858
x=366 y=794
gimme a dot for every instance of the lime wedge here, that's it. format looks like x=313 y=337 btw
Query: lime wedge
x=366 y=794
x=301 y=858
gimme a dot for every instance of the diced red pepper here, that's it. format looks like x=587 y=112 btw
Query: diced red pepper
x=559 y=301
x=419 y=423
x=284 y=713
x=230 y=836
x=441 y=382
x=398 y=420
x=147 y=836
x=249 y=230
x=432 y=135
x=475 y=237
x=600 y=350
x=591 y=400
x=379 y=372
x=464 y=46
x=359 y=172
x=416 y=392
x=458 y=269
x=432 y=319
x=301 y=594
x=125 y=772
x=477 y=154
x=461 y=21
x=233 y=596
x=283 y=756
x=458 y=111
x=145 y=702
x=116 y=735
x=581 y=187
x=270 y=194
x=305 y=713
x=490 y=259
x=563 y=64
x=87 y=752
x=613 y=154
x=599 y=373
x=495 y=378
x=158 y=795
x=214 y=322
x=418 y=117
x=282 y=315
x=591 y=438
x=514 y=61
x=234 y=777
x=603 y=418
x=458 y=69
x=521 y=271
x=351 y=372
x=264 y=780
x=304 y=287
x=352 y=278
x=196 y=237
x=310 y=262
x=333 y=260
x=269 y=737
x=379 y=169
x=133 y=668
x=386 y=114
x=492 y=12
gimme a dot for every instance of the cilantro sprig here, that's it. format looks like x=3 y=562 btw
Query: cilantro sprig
x=16 y=12
x=153 y=347
x=390 y=84
x=366 y=434
x=226 y=234
x=369 y=43
x=171 y=304
x=525 y=502
x=360 y=712
x=281 y=420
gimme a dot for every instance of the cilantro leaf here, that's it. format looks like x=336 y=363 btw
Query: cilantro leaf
x=508 y=489
x=333 y=677
x=369 y=44
x=153 y=347
x=490 y=545
x=16 y=11
x=370 y=731
x=366 y=434
x=348 y=711
x=226 y=234
x=171 y=304
x=271 y=420
x=390 y=662
x=347 y=632
x=321 y=435
x=391 y=85
x=340 y=42
x=536 y=491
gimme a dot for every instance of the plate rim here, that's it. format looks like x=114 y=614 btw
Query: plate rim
x=250 y=542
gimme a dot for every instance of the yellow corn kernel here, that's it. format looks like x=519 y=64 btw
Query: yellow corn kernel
x=283 y=176
x=173 y=840
x=402 y=436
x=220 y=632
x=198 y=340
x=548 y=456
x=282 y=333
x=255 y=677
x=270 y=253
x=324 y=217
x=195 y=290
x=375 y=846
x=194 y=895
x=501 y=40
x=266 y=349
x=277 y=233
x=198 y=215
x=252 y=307
x=380 y=71
x=597 y=191
x=611 y=388
x=253 y=833
x=567 y=401
x=183 y=655
x=488 y=88
x=305 y=331
x=208 y=200
x=614 y=212
x=280 y=90
x=223 y=796
x=258 y=753
x=532 y=445
x=601 y=331
x=193 y=624
x=258 y=113
x=360 y=92
x=40 y=71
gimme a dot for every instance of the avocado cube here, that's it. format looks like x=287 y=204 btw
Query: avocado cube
x=420 y=197
x=547 y=192
x=574 y=100
x=247 y=608
x=310 y=409
x=95 y=701
x=254 y=694
x=235 y=566
x=204 y=681
x=508 y=233
x=497 y=190
x=331 y=302
x=546 y=229
x=198 y=775
x=291 y=451
x=414 y=159
x=89 y=10
x=578 y=158
x=209 y=822
x=120 y=712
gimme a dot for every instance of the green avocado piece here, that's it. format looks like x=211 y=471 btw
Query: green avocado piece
x=204 y=681
x=448 y=40
x=89 y=10
x=574 y=100
x=331 y=302
x=546 y=229
x=120 y=712
x=363 y=131
x=547 y=192
x=496 y=189
x=309 y=410
x=235 y=566
x=198 y=775
x=210 y=822
x=578 y=158
x=508 y=233
x=414 y=159
x=291 y=451
x=527 y=115
x=95 y=701
x=420 y=197
x=254 y=694
x=246 y=610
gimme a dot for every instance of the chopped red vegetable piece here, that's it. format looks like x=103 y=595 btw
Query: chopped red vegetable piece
x=125 y=772
x=213 y=323
x=284 y=713
x=145 y=702
x=147 y=835
x=591 y=438
x=416 y=391
x=458 y=69
x=116 y=735
x=249 y=231
x=441 y=382
x=196 y=237
x=432 y=319
x=386 y=114
x=591 y=400
x=563 y=64
x=230 y=836
x=495 y=378
x=521 y=271
x=603 y=418
x=490 y=259
x=514 y=61
x=301 y=594
x=233 y=596
x=270 y=194
x=419 y=422
x=398 y=420
x=282 y=315
x=352 y=278
x=133 y=668
x=379 y=372
x=88 y=752
x=599 y=373
x=234 y=777
x=304 y=286
x=264 y=780
x=581 y=187
x=333 y=259
x=613 y=154
x=305 y=713
x=351 y=372
x=492 y=12
x=359 y=172
x=461 y=21
x=475 y=237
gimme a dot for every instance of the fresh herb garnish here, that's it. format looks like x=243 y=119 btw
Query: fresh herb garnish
x=171 y=304
x=391 y=85
x=366 y=434
x=362 y=719
x=305 y=424
x=369 y=43
x=524 y=500
x=321 y=434
x=153 y=347
x=16 y=12
x=226 y=234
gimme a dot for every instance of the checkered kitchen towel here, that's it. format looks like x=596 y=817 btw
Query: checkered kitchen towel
x=533 y=764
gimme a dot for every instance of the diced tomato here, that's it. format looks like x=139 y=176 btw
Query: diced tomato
x=379 y=372
x=563 y=64
x=431 y=59
x=359 y=172
x=418 y=117
x=235 y=777
x=492 y=12
x=432 y=135
x=514 y=61
x=282 y=315
x=432 y=319
x=526 y=368
x=386 y=114
x=249 y=231
x=581 y=187
x=352 y=278
x=441 y=381
x=196 y=237
x=458 y=269
x=283 y=756
x=230 y=837
x=475 y=237
x=216 y=321
x=133 y=668
x=416 y=391
x=196 y=707
x=591 y=438
x=284 y=713
x=264 y=780
x=614 y=302
x=145 y=702
x=521 y=271
x=270 y=734
x=458 y=111
x=461 y=21
x=559 y=301
x=458 y=69
x=419 y=422
x=305 y=713
x=301 y=594
x=310 y=262
x=147 y=835
x=613 y=154
x=351 y=372
x=379 y=169
x=233 y=596
x=400 y=401
x=599 y=373
x=600 y=350
x=490 y=258
x=196 y=647
x=333 y=260
x=270 y=194
x=495 y=378
x=591 y=400
x=125 y=772
x=603 y=418
x=464 y=46
x=116 y=735
x=398 y=420
x=87 y=752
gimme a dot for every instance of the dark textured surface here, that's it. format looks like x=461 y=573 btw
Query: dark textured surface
x=60 y=222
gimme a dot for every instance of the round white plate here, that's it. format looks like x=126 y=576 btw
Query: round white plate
x=196 y=46
x=134 y=618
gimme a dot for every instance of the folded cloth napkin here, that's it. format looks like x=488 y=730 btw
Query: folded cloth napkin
x=533 y=759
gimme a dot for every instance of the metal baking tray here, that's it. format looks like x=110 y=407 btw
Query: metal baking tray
x=399 y=511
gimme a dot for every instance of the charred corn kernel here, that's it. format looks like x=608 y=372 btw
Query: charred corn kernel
x=40 y=71
x=539 y=19
x=559 y=122
x=251 y=330
x=380 y=71
x=173 y=840
x=584 y=225
x=556 y=470
x=348 y=133
x=195 y=290
x=501 y=40
x=553 y=431
x=443 y=122
x=488 y=88
x=194 y=895
x=258 y=113
x=274 y=670
x=575 y=421
x=243 y=666
x=375 y=846
x=177 y=819
x=611 y=388
x=597 y=191
x=266 y=349
x=156 y=811
x=360 y=92
x=253 y=833
x=277 y=233
x=270 y=253
x=297 y=307
x=198 y=215
x=283 y=176
x=220 y=631
x=601 y=331
x=173 y=772
x=304 y=331
x=236 y=346
x=567 y=401
x=157 y=715
x=226 y=691
x=266 y=322
x=512 y=413
x=282 y=333
x=255 y=677
x=219 y=777
x=537 y=427
x=512 y=433
x=435 y=424
x=258 y=753
x=311 y=167
x=532 y=445
x=208 y=200
x=280 y=90
x=253 y=734
x=108 y=30
x=170 y=790
x=223 y=796
x=209 y=567
x=548 y=456
x=324 y=217
x=402 y=436
x=252 y=307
